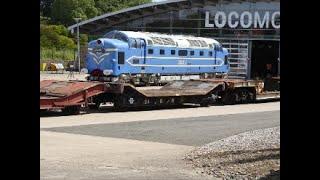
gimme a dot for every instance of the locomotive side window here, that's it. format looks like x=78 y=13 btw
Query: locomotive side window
x=192 y=53
x=183 y=52
x=173 y=52
x=210 y=53
x=161 y=51
x=201 y=53
x=150 y=51
x=120 y=57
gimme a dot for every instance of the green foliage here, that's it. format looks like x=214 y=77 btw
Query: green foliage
x=45 y=7
x=83 y=39
x=107 y=6
x=55 y=36
x=55 y=40
x=64 y=11
x=54 y=55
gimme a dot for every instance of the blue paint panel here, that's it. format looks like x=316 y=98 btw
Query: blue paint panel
x=104 y=56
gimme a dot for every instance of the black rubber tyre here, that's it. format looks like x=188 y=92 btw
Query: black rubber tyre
x=94 y=106
x=230 y=98
x=71 y=110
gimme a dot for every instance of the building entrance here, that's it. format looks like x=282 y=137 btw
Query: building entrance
x=264 y=57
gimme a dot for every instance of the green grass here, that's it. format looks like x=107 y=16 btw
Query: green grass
x=54 y=55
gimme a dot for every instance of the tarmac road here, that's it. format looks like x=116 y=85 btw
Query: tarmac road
x=143 y=144
x=193 y=131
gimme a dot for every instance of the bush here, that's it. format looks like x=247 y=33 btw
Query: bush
x=54 y=55
x=55 y=37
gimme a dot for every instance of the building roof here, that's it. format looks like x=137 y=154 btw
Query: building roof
x=182 y=41
x=99 y=24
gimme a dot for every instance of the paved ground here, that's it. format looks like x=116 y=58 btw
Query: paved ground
x=193 y=131
x=141 y=144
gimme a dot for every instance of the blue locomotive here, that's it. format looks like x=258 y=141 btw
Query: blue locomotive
x=150 y=58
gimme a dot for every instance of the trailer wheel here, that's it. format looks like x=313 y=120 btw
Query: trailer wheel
x=204 y=104
x=94 y=106
x=71 y=110
x=230 y=98
x=245 y=95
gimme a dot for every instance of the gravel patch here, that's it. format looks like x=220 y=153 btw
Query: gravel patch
x=249 y=155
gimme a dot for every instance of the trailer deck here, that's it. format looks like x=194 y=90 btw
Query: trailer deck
x=70 y=95
x=64 y=94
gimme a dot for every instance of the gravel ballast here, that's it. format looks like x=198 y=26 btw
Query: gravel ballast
x=249 y=155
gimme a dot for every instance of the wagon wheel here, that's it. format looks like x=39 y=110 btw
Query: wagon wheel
x=71 y=110
x=230 y=98
x=245 y=96
x=96 y=104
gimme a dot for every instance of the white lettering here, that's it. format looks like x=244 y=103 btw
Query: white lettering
x=242 y=19
x=273 y=20
x=257 y=20
x=207 y=23
x=247 y=19
x=223 y=18
x=233 y=13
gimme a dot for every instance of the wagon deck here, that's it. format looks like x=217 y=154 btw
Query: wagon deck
x=73 y=94
x=61 y=94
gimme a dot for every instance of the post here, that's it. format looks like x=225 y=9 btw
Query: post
x=78 y=42
x=279 y=61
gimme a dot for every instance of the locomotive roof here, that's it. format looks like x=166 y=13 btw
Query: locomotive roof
x=182 y=41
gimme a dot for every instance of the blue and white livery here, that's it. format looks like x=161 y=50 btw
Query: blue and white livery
x=146 y=57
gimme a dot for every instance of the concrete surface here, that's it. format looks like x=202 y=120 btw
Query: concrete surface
x=193 y=131
x=116 y=117
x=140 y=144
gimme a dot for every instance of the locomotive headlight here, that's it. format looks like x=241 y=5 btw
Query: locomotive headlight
x=107 y=72
x=84 y=70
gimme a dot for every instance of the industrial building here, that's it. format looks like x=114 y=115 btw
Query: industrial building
x=249 y=29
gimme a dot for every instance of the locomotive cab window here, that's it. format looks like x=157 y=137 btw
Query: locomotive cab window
x=133 y=43
x=120 y=57
x=161 y=51
x=183 y=52
x=150 y=51
x=138 y=43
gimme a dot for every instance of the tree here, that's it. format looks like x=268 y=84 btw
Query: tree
x=64 y=11
x=45 y=7
x=55 y=36
x=107 y=6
